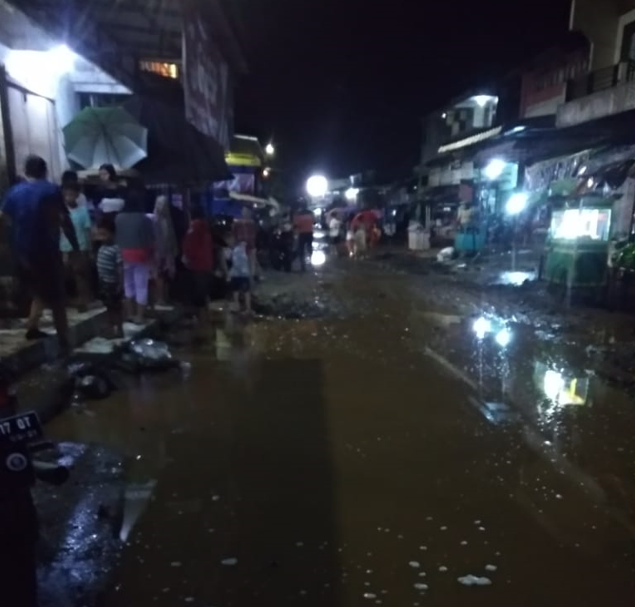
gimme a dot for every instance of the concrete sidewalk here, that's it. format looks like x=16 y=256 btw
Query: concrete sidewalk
x=43 y=378
x=22 y=355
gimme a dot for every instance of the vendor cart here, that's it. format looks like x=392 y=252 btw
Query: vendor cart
x=577 y=248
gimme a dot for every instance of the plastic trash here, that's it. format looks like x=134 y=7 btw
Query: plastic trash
x=94 y=387
x=151 y=354
x=90 y=381
x=473 y=580
x=446 y=254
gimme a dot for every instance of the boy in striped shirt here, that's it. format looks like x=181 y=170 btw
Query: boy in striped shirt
x=110 y=272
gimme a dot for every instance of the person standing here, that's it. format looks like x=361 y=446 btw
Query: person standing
x=36 y=211
x=303 y=224
x=166 y=248
x=134 y=234
x=110 y=273
x=110 y=193
x=198 y=260
x=244 y=230
x=239 y=274
x=78 y=262
x=335 y=233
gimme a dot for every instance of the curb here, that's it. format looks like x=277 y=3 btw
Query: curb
x=49 y=393
x=37 y=353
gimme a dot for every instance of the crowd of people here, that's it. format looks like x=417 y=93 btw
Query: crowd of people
x=117 y=243
x=103 y=243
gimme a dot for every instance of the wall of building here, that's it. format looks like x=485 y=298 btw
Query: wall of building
x=544 y=88
x=599 y=20
x=598 y=105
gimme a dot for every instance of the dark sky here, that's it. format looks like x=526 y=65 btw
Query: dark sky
x=341 y=84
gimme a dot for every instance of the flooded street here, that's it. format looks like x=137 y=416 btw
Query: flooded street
x=381 y=454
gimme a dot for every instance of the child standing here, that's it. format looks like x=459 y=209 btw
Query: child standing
x=199 y=261
x=239 y=274
x=78 y=263
x=110 y=272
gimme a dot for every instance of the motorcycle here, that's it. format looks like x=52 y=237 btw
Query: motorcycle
x=21 y=438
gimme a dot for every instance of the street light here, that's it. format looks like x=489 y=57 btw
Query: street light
x=515 y=205
x=266 y=173
x=494 y=169
x=270 y=150
x=504 y=337
x=317 y=186
x=351 y=194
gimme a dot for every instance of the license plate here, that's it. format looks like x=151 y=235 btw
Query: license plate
x=20 y=428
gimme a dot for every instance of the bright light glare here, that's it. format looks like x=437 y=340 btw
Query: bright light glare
x=266 y=173
x=553 y=385
x=270 y=150
x=317 y=186
x=351 y=194
x=481 y=100
x=517 y=203
x=482 y=327
x=62 y=58
x=318 y=258
x=495 y=168
x=504 y=337
x=40 y=71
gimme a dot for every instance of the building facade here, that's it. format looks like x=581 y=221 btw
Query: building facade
x=608 y=86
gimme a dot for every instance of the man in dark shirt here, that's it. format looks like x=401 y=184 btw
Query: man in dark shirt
x=36 y=211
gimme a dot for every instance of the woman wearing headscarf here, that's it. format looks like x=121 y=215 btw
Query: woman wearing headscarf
x=165 y=247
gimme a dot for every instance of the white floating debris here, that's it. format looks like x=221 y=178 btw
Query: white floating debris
x=370 y=595
x=229 y=562
x=444 y=528
x=175 y=564
x=473 y=580
x=421 y=586
x=216 y=498
x=463 y=543
x=189 y=599
x=477 y=522
x=559 y=497
x=423 y=574
x=414 y=564
x=491 y=568
x=423 y=547
x=443 y=569
x=481 y=529
x=299 y=544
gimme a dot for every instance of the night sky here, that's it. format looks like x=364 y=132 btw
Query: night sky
x=341 y=84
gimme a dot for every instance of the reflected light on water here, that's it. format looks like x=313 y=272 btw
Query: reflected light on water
x=515 y=279
x=482 y=326
x=504 y=337
x=553 y=385
x=318 y=258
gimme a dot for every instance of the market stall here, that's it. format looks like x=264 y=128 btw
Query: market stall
x=577 y=248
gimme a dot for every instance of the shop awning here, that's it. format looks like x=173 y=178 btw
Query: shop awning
x=177 y=151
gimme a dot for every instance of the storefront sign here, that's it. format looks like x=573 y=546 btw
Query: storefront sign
x=206 y=78
x=242 y=183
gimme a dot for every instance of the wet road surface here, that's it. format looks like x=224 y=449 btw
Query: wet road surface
x=336 y=461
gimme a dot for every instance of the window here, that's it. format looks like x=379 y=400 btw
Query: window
x=167 y=70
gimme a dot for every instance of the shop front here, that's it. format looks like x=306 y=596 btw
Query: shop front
x=578 y=245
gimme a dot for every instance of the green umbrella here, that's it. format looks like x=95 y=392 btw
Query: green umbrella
x=105 y=135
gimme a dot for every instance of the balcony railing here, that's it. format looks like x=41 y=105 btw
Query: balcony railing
x=601 y=80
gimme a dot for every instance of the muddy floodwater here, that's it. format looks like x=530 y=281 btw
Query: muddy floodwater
x=347 y=460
